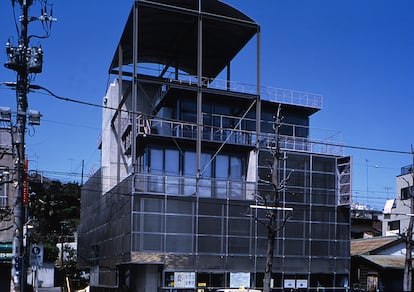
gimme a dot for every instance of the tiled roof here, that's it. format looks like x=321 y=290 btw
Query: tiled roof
x=364 y=246
x=386 y=261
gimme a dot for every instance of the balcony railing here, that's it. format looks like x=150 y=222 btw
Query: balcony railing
x=238 y=136
x=187 y=186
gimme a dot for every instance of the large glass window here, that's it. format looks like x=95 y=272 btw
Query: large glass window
x=205 y=180
x=172 y=171
x=156 y=168
x=190 y=170
x=236 y=174
x=221 y=172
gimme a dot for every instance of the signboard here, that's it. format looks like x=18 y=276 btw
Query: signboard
x=6 y=252
x=289 y=283
x=36 y=255
x=301 y=284
x=184 y=280
x=238 y=280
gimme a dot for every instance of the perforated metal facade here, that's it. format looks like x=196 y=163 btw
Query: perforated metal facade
x=183 y=160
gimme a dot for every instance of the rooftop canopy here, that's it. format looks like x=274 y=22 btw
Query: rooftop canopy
x=168 y=35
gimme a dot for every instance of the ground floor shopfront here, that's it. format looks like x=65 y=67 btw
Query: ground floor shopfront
x=152 y=277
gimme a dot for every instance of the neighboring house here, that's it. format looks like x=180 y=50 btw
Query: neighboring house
x=185 y=156
x=365 y=222
x=397 y=211
x=6 y=204
x=378 y=263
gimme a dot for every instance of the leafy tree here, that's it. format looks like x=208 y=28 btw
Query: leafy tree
x=55 y=208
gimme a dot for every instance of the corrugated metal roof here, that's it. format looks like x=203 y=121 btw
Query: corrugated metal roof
x=365 y=246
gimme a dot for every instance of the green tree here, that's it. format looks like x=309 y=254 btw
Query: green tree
x=55 y=208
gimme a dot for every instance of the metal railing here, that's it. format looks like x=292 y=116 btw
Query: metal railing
x=275 y=94
x=330 y=144
x=187 y=186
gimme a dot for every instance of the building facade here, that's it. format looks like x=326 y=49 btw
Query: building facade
x=179 y=203
x=397 y=211
x=6 y=204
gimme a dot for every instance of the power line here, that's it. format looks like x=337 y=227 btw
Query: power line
x=363 y=148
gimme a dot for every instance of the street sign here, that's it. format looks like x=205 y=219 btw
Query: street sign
x=36 y=255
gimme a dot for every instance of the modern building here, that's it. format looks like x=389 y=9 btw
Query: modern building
x=397 y=211
x=179 y=203
x=6 y=203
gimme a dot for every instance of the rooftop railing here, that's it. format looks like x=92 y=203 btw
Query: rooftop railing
x=274 y=94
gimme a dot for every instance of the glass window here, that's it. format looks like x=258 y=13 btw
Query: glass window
x=221 y=172
x=205 y=164
x=190 y=164
x=156 y=161
x=172 y=162
x=205 y=181
x=190 y=170
x=172 y=171
x=236 y=168
x=406 y=192
x=393 y=225
x=156 y=168
x=222 y=166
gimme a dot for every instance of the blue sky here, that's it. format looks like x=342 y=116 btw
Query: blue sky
x=357 y=54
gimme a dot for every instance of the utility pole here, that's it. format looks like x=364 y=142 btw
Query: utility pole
x=21 y=67
x=408 y=269
x=24 y=60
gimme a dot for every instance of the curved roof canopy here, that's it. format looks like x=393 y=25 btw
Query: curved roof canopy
x=168 y=35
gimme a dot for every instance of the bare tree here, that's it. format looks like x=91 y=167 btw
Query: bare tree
x=273 y=206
